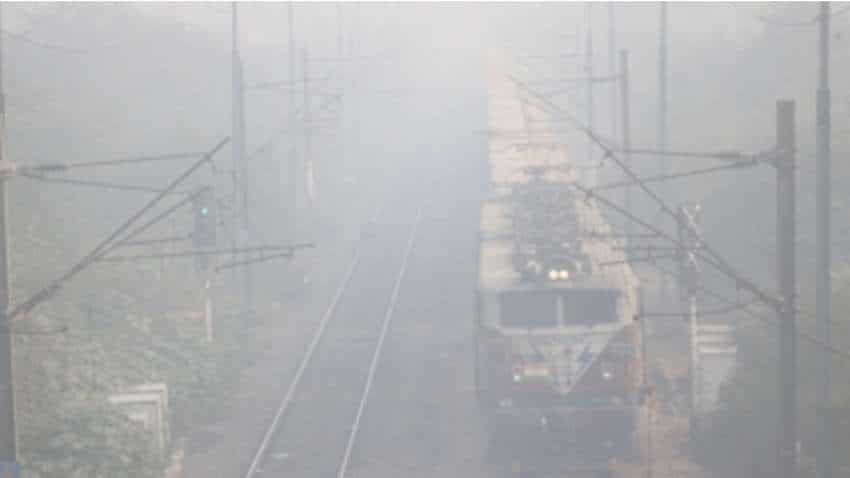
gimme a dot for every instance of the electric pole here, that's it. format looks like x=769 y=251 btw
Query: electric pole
x=823 y=284
x=627 y=142
x=308 y=122
x=689 y=234
x=650 y=396
x=290 y=182
x=342 y=79
x=238 y=153
x=8 y=432
x=588 y=70
x=612 y=69
x=786 y=268
x=354 y=91
x=661 y=142
x=339 y=30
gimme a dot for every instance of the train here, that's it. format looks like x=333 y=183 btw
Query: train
x=559 y=371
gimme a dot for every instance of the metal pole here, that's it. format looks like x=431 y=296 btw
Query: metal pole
x=650 y=397
x=612 y=68
x=695 y=391
x=823 y=285
x=208 y=309
x=588 y=69
x=339 y=30
x=688 y=224
x=627 y=144
x=342 y=67
x=786 y=267
x=661 y=142
x=292 y=173
x=661 y=139
x=308 y=140
x=8 y=432
x=239 y=164
x=354 y=110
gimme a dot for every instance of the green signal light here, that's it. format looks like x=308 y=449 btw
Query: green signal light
x=205 y=211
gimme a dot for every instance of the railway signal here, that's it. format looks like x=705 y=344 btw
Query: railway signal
x=205 y=218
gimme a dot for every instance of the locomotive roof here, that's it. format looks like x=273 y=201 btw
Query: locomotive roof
x=524 y=148
x=496 y=269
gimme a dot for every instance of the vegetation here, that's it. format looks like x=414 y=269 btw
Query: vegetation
x=116 y=325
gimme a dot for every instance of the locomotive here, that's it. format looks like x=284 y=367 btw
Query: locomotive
x=558 y=370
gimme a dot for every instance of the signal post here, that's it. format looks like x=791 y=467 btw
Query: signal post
x=204 y=237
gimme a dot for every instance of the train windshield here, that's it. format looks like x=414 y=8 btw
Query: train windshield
x=529 y=309
x=589 y=307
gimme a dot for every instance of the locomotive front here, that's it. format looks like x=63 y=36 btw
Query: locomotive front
x=557 y=358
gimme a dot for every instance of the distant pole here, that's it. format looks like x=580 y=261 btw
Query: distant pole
x=290 y=182
x=649 y=403
x=588 y=69
x=786 y=267
x=661 y=141
x=626 y=132
x=823 y=284
x=238 y=152
x=354 y=72
x=612 y=68
x=208 y=309
x=308 y=123
x=342 y=86
x=339 y=30
x=689 y=233
x=8 y=433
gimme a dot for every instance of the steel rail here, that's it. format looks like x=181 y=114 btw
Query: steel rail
x=255 y=467
x=296 y=380
x=343 y=467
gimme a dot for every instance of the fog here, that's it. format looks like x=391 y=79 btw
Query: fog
x=417 y=255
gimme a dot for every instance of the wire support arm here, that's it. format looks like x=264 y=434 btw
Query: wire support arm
x=103 y=247
x=741 y=281
x=210 y=252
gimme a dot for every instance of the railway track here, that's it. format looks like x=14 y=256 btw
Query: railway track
x=316 y=425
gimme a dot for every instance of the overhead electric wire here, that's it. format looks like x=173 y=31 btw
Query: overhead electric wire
x=666 y=177
x=272 y=141
x=646 y=258
x=255 y=260
x=150 y=223
x=205 y=252
x=47 y=45
x=159 y=240
x=704 y=312
x=56 y=167
x=735 y=156
x=799 y=23
x=766 y=318
x=94 y=184
x=747 y=285
x=714 y=259
x=104 y=246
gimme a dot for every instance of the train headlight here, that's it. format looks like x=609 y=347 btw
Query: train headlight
x=563 y=274
x=517 y=370
x=553 y=274
x=606 y=371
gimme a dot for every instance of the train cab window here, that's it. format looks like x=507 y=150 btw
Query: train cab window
x=589 y=307
x=529 y=309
